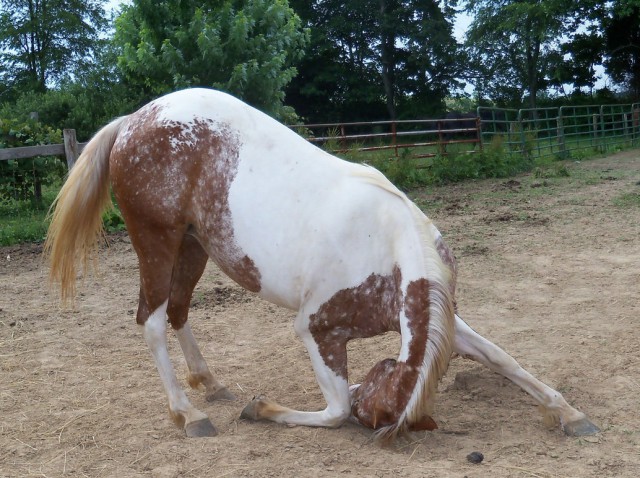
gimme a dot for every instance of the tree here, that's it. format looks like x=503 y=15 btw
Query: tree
x=513 y=41
x=86 y=101
x=419 y=57
x=367 y=57
x=579 y=59
x=622 y=45
x=42 y=41
x=246 y=47
x=337 y=80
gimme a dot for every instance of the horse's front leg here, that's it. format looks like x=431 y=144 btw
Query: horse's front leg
x=329 y=359
x=472 y=345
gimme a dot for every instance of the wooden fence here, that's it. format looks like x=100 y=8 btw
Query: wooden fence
x=423 y=137
x=539 y=132
x=71 y=149
x=437 y=133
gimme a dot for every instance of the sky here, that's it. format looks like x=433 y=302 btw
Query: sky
x=460 y=26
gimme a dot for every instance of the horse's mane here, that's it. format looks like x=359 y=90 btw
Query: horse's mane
x=441 y=332
x=371 y=175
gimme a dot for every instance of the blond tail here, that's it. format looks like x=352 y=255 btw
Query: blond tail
x=76 y=214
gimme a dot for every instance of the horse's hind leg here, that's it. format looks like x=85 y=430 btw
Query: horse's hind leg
x=187 y=270
x=156 y=253
x=472 y=345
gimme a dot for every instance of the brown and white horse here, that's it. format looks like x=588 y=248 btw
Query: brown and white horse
x=198 y=174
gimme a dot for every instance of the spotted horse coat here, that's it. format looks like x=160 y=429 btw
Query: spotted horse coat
x=200 y=175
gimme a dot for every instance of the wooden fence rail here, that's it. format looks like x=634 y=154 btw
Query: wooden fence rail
x=70 y=149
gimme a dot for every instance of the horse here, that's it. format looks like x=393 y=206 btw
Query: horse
x=199 y=175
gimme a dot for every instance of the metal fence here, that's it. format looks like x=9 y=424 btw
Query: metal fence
x=558 y=132
x=561 y=132
x=540 y=132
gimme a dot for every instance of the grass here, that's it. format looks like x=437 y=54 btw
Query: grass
x=29 y=226
x=25 y=221
x=628 y=200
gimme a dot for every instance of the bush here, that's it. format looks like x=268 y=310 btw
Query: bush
x=492 y=162
x=405 y=172
x=85 y=109
x=23 y=179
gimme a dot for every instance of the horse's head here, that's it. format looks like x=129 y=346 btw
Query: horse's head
x=383 y=396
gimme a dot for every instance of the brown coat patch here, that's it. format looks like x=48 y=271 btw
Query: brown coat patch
x=367 y=310
x=172 y=178
x=387 y=388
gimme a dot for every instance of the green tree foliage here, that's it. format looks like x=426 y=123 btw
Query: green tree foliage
x=94 y=96
x=576 y=60
x=512 y=43
x=246 y=47
x=23 y=179
x=622 y=45
x=525 y=48
x=419 y=57
x=337 y=79
x=371 y=58
x=43 y=41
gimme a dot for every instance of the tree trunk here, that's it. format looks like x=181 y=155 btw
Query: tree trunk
x=533 y=53
x=386 y=59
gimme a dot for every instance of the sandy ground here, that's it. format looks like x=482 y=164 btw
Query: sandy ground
x=549 y=270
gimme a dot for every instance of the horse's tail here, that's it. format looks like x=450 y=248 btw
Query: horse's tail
x=76 y=214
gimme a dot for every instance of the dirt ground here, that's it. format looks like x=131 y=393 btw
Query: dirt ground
x=549 y=270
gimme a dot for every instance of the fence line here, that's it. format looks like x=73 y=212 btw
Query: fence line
x=426 y=137
x=555 y=131
x=70 y=149
x=559 y=131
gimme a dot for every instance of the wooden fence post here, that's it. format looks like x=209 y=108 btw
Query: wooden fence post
x=394 y=132
x=70 y=147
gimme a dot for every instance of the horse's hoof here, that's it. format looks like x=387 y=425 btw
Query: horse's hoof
x=579 y=428
x=251 y=411
x=221 y=394
x=200 y=428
